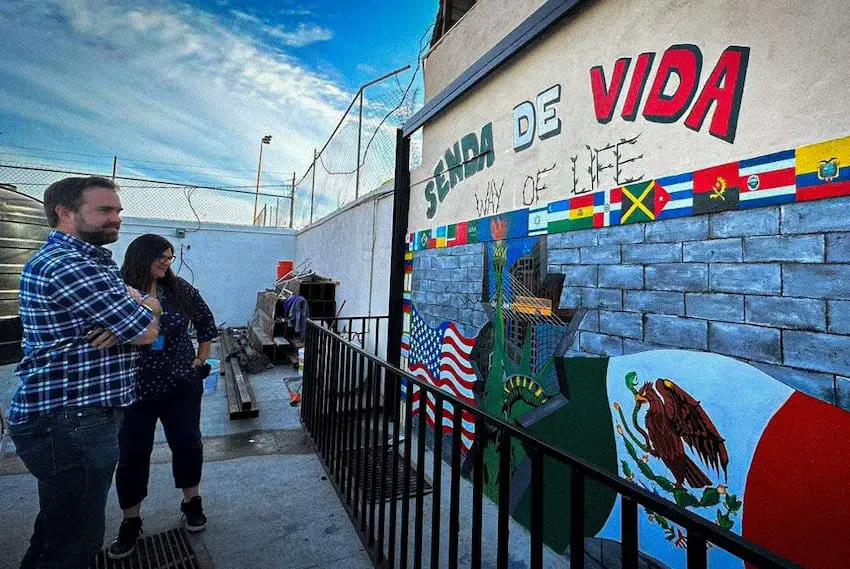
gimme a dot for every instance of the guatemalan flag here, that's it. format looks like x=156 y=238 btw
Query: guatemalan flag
x=441 y=357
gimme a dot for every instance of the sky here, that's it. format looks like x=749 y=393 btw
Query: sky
x=172 y=87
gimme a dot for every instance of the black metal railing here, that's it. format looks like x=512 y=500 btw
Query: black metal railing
x=345 y=411
x=367 y=332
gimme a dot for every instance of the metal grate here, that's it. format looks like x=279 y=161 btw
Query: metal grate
x=369 y=454
x=166 y=550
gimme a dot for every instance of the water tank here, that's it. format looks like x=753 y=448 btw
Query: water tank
x=23 y=230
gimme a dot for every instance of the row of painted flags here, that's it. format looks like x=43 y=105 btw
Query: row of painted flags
x=811 y=172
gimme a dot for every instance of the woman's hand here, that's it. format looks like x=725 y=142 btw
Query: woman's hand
x=134 y=294
x=101 y=339
x=197 y=362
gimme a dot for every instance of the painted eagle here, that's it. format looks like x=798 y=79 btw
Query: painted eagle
x=673 y=419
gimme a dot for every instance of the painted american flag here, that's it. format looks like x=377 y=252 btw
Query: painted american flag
x=441 y=357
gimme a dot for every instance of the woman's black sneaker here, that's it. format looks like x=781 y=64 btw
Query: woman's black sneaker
x=193 y=514
x=128 y=536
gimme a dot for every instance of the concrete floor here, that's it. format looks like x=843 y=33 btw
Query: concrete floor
x=264 y=490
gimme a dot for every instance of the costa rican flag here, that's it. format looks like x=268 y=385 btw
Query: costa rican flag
x=768 y=180
x=441 y=357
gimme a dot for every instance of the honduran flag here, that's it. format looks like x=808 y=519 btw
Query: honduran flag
x=768 y=180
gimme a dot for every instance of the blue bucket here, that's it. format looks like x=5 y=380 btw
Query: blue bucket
x=211 y=381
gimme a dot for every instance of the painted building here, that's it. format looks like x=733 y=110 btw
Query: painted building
x=629 y=235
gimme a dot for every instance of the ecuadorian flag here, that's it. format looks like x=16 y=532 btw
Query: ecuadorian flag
x=823 y=170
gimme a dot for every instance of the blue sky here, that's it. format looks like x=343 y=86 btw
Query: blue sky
x=192 y=83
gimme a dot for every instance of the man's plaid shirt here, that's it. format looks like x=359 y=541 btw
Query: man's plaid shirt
x=67 y=289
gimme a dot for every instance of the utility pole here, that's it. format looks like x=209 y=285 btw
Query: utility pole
x=267 y=139
x=359 y=136
x=114 y=167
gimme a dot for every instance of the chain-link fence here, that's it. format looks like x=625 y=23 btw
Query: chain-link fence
x=158 y=199
x=357 y=158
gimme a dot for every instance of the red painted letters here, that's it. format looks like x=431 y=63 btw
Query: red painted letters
x=669 y=99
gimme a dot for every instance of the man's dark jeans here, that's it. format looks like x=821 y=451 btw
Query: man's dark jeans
x=72 y=451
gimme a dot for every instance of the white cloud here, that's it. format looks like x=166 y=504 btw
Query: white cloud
x=163 y=82
x=304 y=34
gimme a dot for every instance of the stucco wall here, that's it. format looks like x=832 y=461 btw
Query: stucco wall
x=351 y=246
x=487 y=22
x=231 y=263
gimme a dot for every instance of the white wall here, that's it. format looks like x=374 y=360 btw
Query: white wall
x=231 y=263
x=353 y=246
x=482 y=27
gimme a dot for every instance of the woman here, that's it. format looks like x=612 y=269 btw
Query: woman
x=169 y=386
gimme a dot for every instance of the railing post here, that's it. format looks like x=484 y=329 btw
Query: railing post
x=376 y=427
x=438 y=481
x=504 y=498
x=697 y=550
x=454 y=499
x=420 y=479
x=477 y=502
x=396 y=405
x=537 y=512
x=385 y=446
x=405 y=504
x=576 y=517
x=629 y=537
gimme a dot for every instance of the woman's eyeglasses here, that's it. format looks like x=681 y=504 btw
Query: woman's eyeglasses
x=166 y=259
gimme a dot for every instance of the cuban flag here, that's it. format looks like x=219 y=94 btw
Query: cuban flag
x=681 y=190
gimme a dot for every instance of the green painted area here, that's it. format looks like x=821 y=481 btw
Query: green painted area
x=582 y=427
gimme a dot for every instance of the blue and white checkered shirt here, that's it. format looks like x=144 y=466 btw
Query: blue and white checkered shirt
x=67 y=289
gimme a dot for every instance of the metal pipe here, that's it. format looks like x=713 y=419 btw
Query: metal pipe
x=292 y=203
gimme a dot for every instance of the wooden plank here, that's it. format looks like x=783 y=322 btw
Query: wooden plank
x=243 y=394
x=266 y=302
x=233 y=407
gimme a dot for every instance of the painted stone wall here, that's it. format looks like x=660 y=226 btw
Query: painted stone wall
x=645 y=208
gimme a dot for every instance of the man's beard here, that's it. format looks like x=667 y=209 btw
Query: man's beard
x=98 y=238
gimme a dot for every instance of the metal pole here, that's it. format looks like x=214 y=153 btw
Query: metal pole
x=292 y=203
x=277 y=212
x=114 y=167
x=257 y=194
x=359 y=131
x=313 y=186
x=401 y=203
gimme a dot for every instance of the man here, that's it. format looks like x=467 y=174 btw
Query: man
x=78 y=371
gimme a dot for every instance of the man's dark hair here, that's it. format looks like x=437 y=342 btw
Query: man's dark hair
x=69 y=193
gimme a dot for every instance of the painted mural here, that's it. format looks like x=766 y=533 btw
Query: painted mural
x=710 y=433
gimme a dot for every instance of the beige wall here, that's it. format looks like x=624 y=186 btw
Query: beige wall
x=795 y=93
x=482 y=27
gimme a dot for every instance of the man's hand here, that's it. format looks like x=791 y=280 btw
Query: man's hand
x=101 y=339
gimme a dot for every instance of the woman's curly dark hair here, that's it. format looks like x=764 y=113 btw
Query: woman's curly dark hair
x=136 y=270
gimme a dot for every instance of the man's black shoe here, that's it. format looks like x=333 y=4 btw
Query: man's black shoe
x=128 y=536
x=193 y=514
